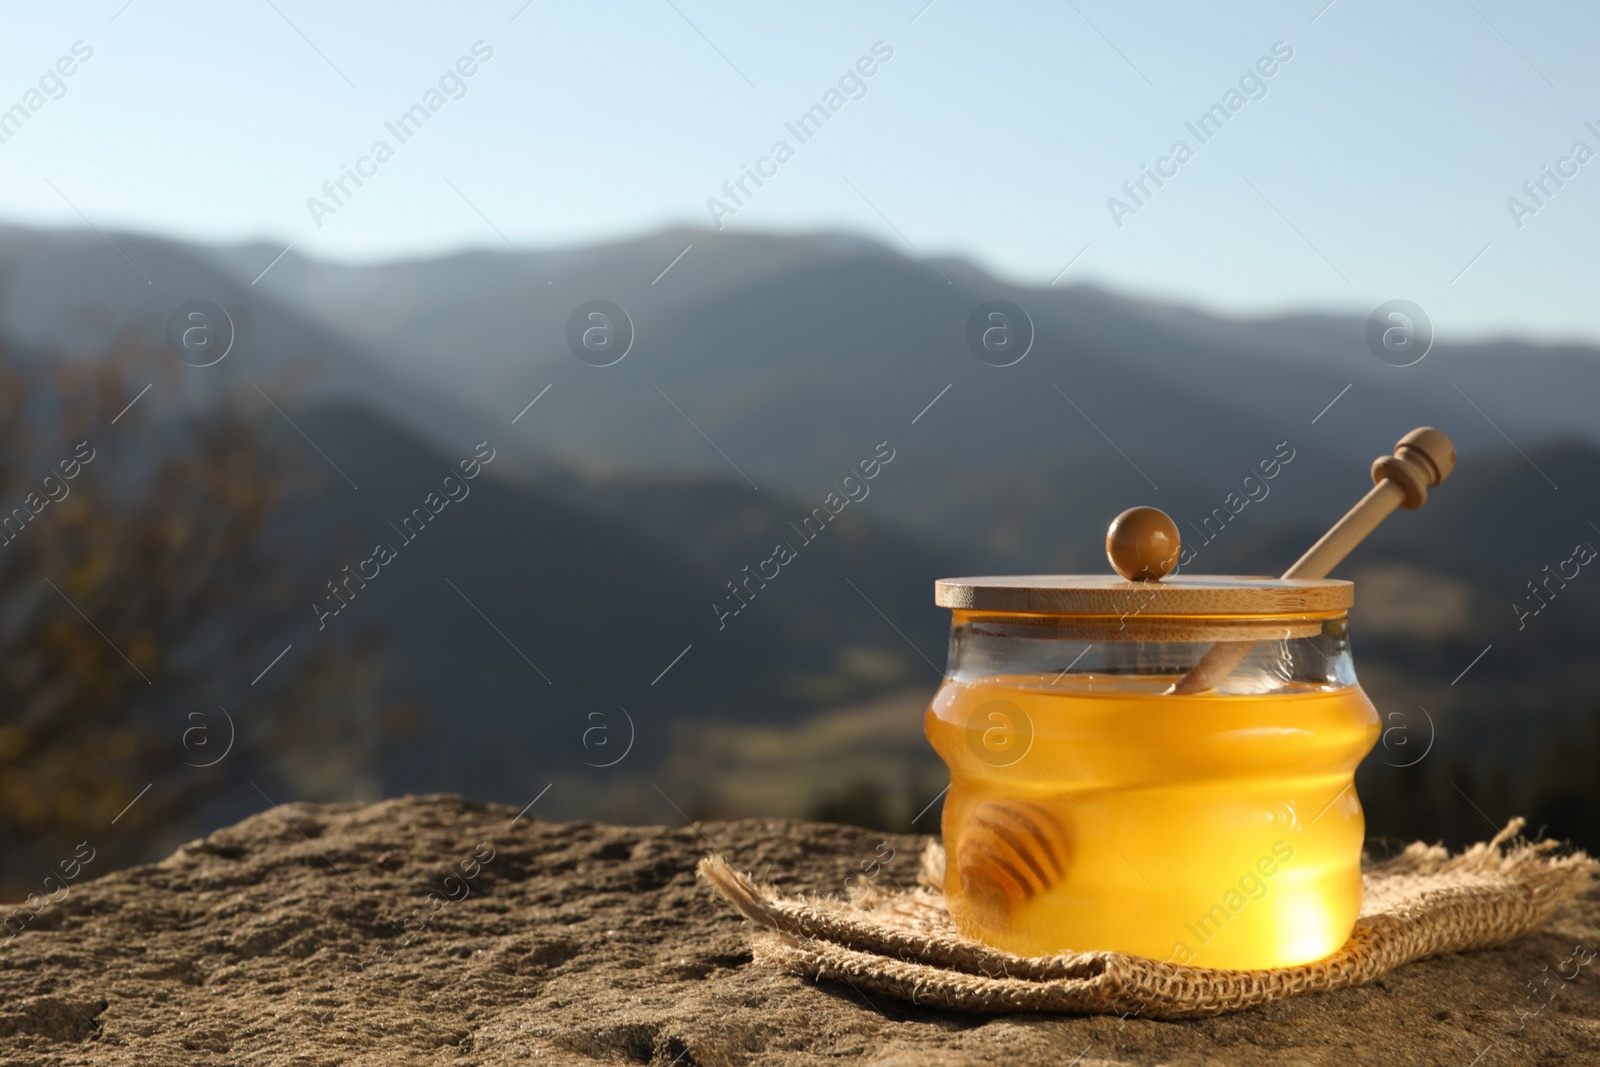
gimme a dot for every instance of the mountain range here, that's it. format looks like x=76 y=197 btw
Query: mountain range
x=590 y=571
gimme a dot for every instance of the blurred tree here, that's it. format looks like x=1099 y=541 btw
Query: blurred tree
x=136 y=579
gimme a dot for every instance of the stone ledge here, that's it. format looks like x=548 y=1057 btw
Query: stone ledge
x=433 y=930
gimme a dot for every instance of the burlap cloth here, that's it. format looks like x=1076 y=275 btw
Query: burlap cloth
x=902 y=944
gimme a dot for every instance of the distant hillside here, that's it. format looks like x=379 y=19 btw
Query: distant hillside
x=516 y=611
x=792 y=353
x=600 y=544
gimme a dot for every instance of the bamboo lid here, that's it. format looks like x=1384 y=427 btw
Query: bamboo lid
x=1143 y=547
x=1108 y=594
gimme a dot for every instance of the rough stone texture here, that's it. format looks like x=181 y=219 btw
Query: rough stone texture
x=585 y=943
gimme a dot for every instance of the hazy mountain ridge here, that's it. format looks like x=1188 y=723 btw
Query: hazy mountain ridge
x=609 y=526
x=770 y=338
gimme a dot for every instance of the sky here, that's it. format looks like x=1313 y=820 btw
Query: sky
x=1376 y=162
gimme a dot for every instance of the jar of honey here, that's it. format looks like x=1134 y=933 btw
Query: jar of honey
x=1110 y=789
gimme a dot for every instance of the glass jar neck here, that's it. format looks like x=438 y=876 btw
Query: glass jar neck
x=1147 y=653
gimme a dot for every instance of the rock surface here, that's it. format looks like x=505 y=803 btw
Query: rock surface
x=308 y=935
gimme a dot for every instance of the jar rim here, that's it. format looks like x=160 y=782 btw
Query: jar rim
x=1146 y=626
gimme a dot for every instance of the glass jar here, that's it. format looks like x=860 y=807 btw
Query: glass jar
x=1093 y=808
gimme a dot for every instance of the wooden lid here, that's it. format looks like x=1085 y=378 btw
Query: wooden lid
x=1179 y=594
x=1143 y=547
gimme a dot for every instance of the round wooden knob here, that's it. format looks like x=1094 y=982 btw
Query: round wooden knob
x=1142 y=544
x=1423 y=458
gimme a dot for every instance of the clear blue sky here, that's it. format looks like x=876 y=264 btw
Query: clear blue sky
x=1377 y=165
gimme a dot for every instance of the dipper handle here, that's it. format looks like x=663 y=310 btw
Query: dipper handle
x=1423 y=458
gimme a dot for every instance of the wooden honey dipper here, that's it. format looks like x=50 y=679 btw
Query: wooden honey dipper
x=1424 y=457
x=1011 y=851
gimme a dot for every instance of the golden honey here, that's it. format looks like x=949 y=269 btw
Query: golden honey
x=1094 y=813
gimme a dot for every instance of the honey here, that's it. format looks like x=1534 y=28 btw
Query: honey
x=1096 y=812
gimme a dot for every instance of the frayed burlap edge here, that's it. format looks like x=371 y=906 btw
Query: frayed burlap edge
x=902 y=944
